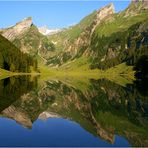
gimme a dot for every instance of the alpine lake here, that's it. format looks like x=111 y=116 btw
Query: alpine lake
x=72 y=111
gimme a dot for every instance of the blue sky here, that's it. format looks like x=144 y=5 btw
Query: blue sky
x=54 y=14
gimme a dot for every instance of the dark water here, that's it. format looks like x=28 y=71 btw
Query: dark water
x=72 y=112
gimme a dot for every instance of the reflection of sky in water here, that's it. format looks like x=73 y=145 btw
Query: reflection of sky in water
x=101 y=108
x=51 y=132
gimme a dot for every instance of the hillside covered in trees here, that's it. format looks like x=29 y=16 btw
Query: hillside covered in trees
x=124 y=46
x=12 y=59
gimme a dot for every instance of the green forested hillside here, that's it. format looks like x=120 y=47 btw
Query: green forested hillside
x=12 y=59
x=127 y=45
x=123 y=39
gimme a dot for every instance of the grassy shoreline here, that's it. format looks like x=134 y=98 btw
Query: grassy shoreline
x=120 y=74
x=5 y=74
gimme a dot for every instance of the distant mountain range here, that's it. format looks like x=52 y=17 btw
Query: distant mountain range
x=46 y=31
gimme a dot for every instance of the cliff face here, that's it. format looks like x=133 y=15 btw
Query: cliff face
x=13 y=32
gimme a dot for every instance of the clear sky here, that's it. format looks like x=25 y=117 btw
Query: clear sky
x=54 y=14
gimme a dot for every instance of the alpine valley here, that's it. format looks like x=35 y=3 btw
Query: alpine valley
x=103 y=40
x=94 y=73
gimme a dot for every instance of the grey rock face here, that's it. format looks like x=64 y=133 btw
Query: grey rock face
x=12 y=32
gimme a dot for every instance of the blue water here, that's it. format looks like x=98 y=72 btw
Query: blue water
x=52 y=132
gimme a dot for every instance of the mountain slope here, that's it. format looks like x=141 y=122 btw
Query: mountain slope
x=12 y=59
x=101 y=40
x=124 y=39
x=127 y=45
x=105 y=40
x=75 y=40
x=28 y=39
x=14 y=31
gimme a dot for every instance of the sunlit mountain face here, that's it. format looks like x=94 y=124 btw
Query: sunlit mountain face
x=85 y=85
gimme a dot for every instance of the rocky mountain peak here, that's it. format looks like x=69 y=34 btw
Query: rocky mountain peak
x=102 y=14
x=135 y=7
x=143 y=4
x=105 y=11
x=20 y=27
x=27 y=22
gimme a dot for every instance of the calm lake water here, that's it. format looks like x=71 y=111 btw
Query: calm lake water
x=72 y=112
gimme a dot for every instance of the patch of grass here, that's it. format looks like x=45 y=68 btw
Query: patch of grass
x=78 y=73
x=81 y=63
x=121 y=74
x=5 y=74
x=121 y=69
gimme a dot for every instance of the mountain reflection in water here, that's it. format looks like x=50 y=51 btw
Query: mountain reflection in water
x=68 y=112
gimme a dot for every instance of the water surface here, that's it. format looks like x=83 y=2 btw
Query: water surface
x=72 y=112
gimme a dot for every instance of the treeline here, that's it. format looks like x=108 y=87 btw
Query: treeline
x=126 y=46
x=12 y=59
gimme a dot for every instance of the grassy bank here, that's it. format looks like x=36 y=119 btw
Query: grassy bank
x=79 y=71
x=5 y=74
x=120 y=74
